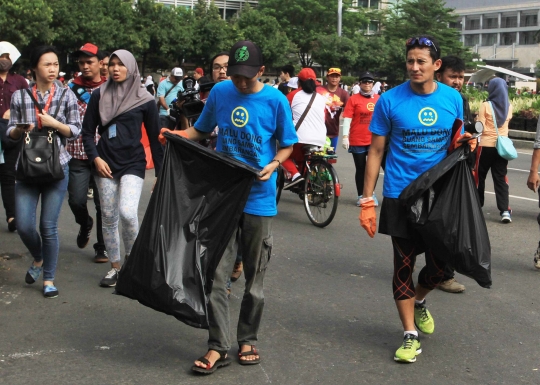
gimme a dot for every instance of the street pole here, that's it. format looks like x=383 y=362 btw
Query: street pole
x=339 y=16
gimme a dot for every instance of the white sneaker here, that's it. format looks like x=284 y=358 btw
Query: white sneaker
x=505 y=217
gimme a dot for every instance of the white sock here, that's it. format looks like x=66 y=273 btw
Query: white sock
x=295 y=176
x=413 y=332
x=417 y=302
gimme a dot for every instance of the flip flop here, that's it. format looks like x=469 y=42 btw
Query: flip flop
x=252 y=352
x=221 y=362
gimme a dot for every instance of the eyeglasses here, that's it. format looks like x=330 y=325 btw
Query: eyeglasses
x=367 y=81
x=422 y=41
x=217 y=67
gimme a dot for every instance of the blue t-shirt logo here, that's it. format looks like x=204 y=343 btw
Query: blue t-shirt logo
x=239 y=117
x=427 y=116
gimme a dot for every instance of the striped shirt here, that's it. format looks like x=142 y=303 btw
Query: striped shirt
x=68 y=113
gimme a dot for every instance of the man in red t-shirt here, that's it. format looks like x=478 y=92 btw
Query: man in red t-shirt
x=336 y=99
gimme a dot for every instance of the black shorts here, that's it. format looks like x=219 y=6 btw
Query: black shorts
x=393 y=220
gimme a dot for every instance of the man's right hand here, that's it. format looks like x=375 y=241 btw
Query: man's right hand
x=533 y=181
x=368 y=216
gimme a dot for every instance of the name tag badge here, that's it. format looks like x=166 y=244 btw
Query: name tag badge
x=112 y=131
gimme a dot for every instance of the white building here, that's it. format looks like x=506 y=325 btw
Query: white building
x=228 y=8
x=504 y=33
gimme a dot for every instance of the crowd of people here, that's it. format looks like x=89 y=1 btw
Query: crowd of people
x=98 y=118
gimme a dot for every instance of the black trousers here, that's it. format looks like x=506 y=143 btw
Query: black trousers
x=487 y=159
x=7 y=181
x=360 y=161
x=80 y=177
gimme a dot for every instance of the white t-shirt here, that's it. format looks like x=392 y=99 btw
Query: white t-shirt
x=312 y=130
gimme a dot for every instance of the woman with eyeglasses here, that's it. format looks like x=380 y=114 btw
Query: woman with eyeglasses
x=119 y=108
x=356 y=134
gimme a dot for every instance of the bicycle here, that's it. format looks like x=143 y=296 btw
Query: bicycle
x=320 y=189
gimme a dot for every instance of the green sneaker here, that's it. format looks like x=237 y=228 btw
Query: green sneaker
x=423 y=319
x=409 y=350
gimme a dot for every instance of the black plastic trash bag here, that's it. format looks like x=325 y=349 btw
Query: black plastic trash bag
x=197 y=202
x=443 y=205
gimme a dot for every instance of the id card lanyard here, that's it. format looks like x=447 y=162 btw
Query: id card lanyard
x=47 y=104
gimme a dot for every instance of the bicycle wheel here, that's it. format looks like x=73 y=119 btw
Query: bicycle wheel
x=321 y=193
x=280 y=181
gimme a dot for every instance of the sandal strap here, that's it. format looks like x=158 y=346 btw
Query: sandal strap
x=252 y=352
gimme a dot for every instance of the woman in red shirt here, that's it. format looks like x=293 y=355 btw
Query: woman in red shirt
x=356 y=134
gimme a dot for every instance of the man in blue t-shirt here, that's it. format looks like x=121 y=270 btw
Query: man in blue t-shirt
x=416 y=119
x=253 y=121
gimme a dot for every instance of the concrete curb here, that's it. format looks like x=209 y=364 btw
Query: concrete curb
x=522 y=139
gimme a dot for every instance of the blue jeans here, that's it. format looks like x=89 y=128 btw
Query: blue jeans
x=45 y=244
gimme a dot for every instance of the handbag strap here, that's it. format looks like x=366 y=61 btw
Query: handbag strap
x=305 y=111
x=494 y=118
x=36 y=103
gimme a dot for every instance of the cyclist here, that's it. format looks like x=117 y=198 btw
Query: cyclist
x=308 y=108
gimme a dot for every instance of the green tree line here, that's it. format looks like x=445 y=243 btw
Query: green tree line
x=300 y=32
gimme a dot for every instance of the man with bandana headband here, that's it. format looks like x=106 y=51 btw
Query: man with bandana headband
x=9 y=83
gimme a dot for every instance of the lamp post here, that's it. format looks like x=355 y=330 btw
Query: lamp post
x=339 y=16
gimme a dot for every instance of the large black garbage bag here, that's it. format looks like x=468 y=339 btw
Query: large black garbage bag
x=196 y=204
x=443 y=205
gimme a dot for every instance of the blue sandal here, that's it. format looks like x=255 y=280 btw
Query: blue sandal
x=49 y=291
x=33 y=274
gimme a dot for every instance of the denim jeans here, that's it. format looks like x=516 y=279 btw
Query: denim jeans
x=79 y=182
x=256 y=243
x=45 y=244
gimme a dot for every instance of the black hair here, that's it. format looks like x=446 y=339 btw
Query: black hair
x=266 y=80
x=308 y=86
x=37 y=53
x=288 y=69
x=454 y=63
x=434 y=50
x=103 y=54
x=222 y=53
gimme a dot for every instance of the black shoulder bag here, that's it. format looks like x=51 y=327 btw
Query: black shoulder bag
x=39 y=160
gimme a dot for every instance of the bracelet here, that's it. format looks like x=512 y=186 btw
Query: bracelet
x=276 y=160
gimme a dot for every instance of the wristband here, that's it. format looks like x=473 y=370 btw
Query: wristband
x=276 y=160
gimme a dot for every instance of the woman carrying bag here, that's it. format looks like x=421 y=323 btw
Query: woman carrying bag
x=495 y=113
x=54 y=116
x=119 y=108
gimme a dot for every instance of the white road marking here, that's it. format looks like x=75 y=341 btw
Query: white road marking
x=515 y=196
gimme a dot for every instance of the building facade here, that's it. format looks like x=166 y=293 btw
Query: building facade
x=227 y=8
x=504 y=33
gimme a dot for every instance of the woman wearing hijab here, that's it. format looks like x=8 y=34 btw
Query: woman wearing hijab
x=118 y=109
x=25 y=117
x=356 y=134
x=498 y=109
x=149 y=84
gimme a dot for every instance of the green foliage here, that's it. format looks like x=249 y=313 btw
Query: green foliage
x=334 y=51
x=24 y=22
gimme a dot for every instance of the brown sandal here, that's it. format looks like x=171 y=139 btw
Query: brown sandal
x=252 y=352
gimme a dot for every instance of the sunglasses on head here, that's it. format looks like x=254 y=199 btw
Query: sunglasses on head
x=421 y=41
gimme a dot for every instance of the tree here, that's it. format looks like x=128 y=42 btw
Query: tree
x=23 y=22
x=335 y=51
x=266 y=32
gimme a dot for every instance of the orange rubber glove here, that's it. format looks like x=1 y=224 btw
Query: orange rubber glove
x=455 y=143
x=368 y=216
x=162 y=138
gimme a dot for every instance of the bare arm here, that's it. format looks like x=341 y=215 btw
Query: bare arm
x=375 y=155
x=162 y=102
x=281 y=156
x=533 y=181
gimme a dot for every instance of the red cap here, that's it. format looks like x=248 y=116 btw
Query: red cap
x=306 y=73
x=88 y=49
x=200 y=71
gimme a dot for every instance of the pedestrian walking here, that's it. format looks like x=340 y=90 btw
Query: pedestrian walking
x=533 y=182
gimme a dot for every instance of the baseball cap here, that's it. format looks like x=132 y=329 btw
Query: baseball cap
x=245 y=59
x=367 y=75
x=334 y=70
x=293 y=82
x=177 y=72
x=200 y=71
x=6 y=47
x=88 y=49
x=306 y=73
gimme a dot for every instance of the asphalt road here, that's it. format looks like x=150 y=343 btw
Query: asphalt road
x=329 y=317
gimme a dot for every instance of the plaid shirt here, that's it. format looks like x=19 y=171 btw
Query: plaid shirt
x=68 y=114
x=75 y=147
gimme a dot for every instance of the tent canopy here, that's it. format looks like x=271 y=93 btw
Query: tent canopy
x=487 y=71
